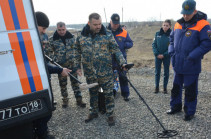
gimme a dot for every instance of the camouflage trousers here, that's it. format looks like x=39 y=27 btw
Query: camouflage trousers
x=74 y=83
x=107 y=85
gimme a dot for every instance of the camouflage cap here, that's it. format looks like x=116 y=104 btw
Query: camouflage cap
x=42 y=19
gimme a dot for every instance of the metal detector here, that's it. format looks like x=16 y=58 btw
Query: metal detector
x=82 y=86
x=166 y=133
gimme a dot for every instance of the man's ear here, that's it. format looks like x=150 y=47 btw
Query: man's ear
x=88 y=23
x=195 y=11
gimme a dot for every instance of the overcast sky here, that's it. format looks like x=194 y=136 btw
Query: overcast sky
x=77 y=11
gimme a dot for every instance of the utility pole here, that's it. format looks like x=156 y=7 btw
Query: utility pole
x=122 y=14
x=105 y=16
x=160 y=20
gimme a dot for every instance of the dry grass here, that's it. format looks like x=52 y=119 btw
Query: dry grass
x=141 y=53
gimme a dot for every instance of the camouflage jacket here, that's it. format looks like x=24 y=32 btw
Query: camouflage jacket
x=44 y=37
x=94 y=51
x=60 y=52
x=51 y=68
x=44 y=40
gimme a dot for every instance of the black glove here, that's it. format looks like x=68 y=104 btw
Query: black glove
x=129 y=66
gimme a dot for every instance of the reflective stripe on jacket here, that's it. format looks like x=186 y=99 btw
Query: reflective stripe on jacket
x=189 y=44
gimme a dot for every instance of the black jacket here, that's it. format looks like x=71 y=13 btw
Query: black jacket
x=54 y=69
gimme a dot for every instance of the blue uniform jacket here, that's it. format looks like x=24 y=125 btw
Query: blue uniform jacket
x=123 y=40
x=54 y=69
x=189 y=41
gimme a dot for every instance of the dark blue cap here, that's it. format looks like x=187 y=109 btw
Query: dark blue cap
x=115 y=19
x=42 y=19
x=188 y=7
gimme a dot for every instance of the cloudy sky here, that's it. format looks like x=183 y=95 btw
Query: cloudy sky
x=77 y=11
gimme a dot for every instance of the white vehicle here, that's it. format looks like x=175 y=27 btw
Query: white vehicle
x=25 y=91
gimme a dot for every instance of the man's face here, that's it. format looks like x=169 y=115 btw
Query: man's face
x=41 y=30
x=114 y=27
x=95 y=25
x=165 y=26
x=61 y=30
x=188 y=17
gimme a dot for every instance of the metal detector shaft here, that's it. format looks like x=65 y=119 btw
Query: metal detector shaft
x=146 y=104
x=51 y=60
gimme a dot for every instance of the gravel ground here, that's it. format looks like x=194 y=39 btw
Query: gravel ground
x=133 y=119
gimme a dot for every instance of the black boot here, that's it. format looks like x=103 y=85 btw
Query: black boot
x=172 y=111
x=65 y=102
x=80 y=102
x=165 y=91
x=91 y=117
x=177 y=108
x=156 y=90
x=101 y=103
x=188 y=117
x=111 y=121
x=126 y=99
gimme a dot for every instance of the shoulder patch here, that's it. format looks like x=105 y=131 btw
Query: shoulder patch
x=209 y=33
x=188 y=33
x=119 y=39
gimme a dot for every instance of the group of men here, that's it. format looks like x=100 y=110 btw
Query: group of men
x=61 y=49
x=100 y=51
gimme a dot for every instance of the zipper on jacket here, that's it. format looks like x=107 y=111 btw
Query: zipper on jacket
x=93 y=58
x=180 y=45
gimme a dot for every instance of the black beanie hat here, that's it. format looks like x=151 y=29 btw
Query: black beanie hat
x=42 y=19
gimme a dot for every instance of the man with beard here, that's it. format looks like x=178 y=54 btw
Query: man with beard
x=94 y=47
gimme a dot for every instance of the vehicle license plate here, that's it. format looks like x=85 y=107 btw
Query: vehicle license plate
x=21 y=109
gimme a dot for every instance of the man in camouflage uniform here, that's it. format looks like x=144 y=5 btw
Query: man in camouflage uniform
x=94 y=48
x=40 y=125
x=61 y=51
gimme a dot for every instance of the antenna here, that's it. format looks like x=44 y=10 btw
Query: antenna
x=160 y=19
x=105 y=16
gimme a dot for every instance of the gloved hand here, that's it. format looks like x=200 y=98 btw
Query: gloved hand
x=128 y=66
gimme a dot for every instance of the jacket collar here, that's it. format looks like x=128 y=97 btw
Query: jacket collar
x=117 y=31
x=167 y=32
x=86 y=31
x=56 y=36
x=198 y=16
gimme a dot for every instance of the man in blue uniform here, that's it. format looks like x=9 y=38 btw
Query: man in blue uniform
x=189 y=41
x=124 y=42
